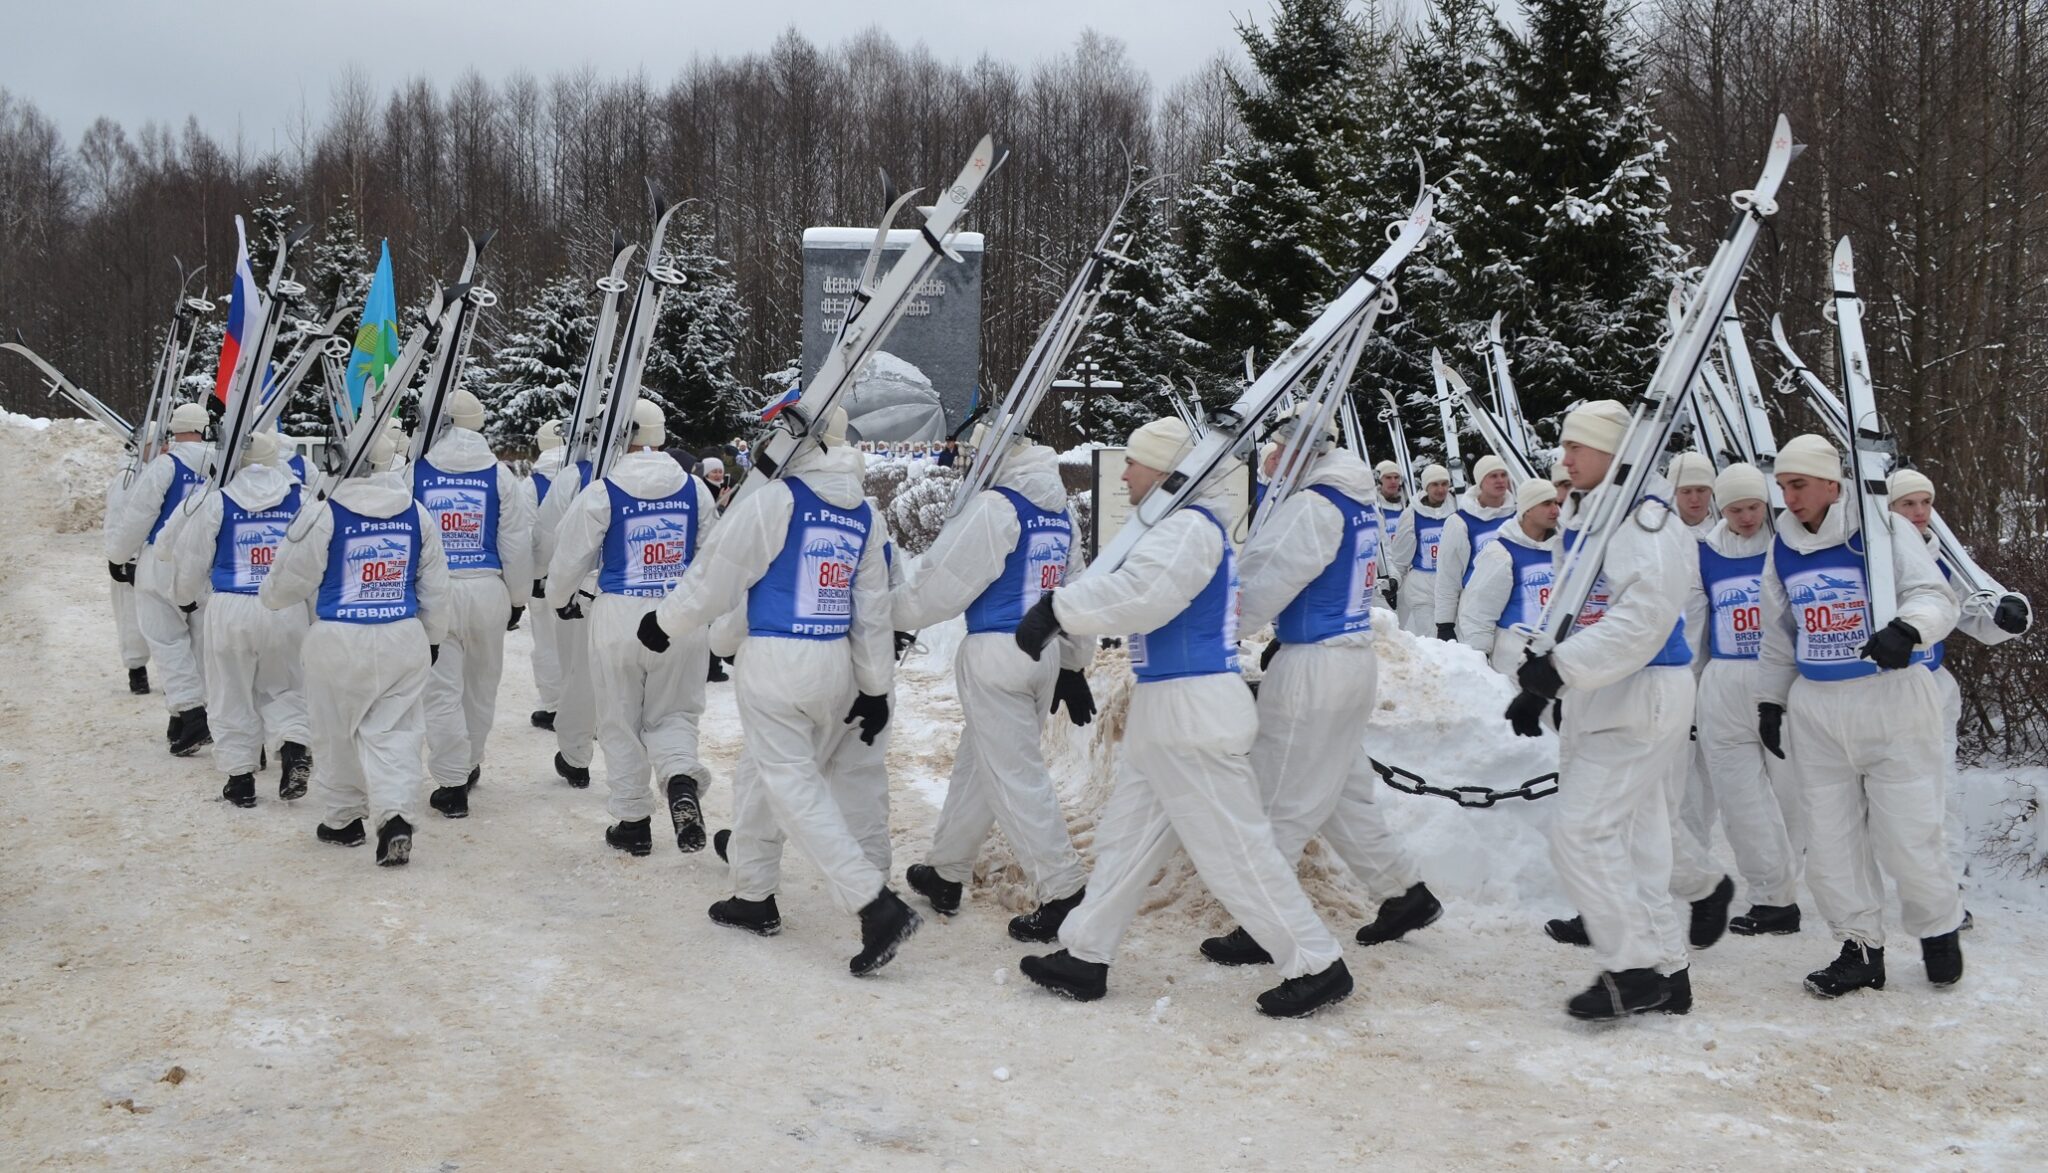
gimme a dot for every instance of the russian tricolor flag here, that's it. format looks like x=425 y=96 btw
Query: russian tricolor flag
x=788 y=397
x=244 y=313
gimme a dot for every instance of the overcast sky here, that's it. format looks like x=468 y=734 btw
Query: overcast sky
x=239 y=63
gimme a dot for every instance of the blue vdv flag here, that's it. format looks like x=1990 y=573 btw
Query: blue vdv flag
x=376 y=346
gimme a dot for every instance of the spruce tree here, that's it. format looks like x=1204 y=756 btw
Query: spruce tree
x=689 y=368
x=1132 y=336
x=337 y=270
x=533 y=376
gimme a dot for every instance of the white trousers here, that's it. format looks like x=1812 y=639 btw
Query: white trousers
x=1417 y=601
x=1954 y=831
x=856 y=776
x=1185 y=780
x=547 y=657
x=1694 y=874
x=793 y=696
x=999 y=775
x=1619 y=751
x=576 y=707
x=1312 y=768
x=127 y=630
x=172 y=635
x=1756 y=793
x=648 y=704
x=253 y=682
x=1869 y=753
x=363 y=686
x=462 y=686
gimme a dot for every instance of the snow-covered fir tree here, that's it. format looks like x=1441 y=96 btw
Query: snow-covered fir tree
x=533 y=375
x=337 y=268
x=1132 y=336
x=689 y=368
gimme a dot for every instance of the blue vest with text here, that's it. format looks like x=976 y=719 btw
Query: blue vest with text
x=1429 y=532
x=297 y=463
x=1735 y=604
x=1480 y=534
x=540 y=486
x=248 y=543
x=1534 y=570
x=1037 y=565
x=183 y=481
x=1674 y=653
x=648 y=544
x=373 y=567
x=1202 y=639
x=1337 y=601
x=807 y=592
x=465 y=505
x=1829 y=605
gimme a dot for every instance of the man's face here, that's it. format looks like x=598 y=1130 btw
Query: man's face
x=1695 y=503
x=1390 y=485
x=1540 y=519
x=1745 y=517
x=1493 y=488
x=1587 y=465
x=1808 y=497
x=1435 y=492
x=1271 y=462
x=1917 y=508
x=1139 y=479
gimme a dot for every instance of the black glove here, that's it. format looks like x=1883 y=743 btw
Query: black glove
x=651 y=634
x=121 y=572
x=1447 y=632
x=1038 y=627
x=512 y=624
x=1770 y=727
x=2013 y=615
x=1393 y=594
x=188 y=608
x=1525 y=713
x=433 y=653
x=1072 y=690
x=1266 y=657
x=870 y=710
x=1892 y=647
x=903 y=641
x=1538 y=674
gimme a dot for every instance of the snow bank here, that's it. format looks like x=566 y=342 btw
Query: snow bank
x=58 y=472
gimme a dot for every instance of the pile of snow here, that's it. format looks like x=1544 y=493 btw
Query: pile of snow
x=58 y=472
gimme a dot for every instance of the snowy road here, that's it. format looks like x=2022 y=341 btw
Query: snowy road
x=522 y=997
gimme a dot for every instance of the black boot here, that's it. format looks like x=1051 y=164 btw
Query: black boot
x=543 y=719
x=885 y=924
x=1041 y=925
x=1710 y=914
x=451 y=801
x=193 y=733
x=1568 y=932
x=240 y=790
x=634 y=838
x=759 y=917
x=345 y=836
x=1969 y=922
x=685 y=814
x=1680 y=985
x=578 y=777
x=944 y=895
x=1859 y=967
x=295 y=770
x=1618 y=995
x=1417 y=908
x=716 y=674
x=1299 y=997
x=475 y=774
x=394 y=842
x=138 y=680
x=1764 y=920
x=1944 y=958
x=1236 y=947
x=1067 y=975
x=172 y=729
x=719 y=841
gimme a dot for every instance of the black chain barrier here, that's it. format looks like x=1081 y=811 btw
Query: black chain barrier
x=1478 y=797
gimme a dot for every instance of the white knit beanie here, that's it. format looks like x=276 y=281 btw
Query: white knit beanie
x=1905 y=483
x=1531 y=493
x=1809 y=456
x=1385 y=467
x=1488 y=465
x=1559 y=474
x=1158 y=445
x=1599 y=424
x=1435 y=473
x=647 y=425
x=466 y=410
x=831 y=431
x=188 y=417
x=1740 y=482
x=1690 y=469
x=549 y=436
x=261 y=449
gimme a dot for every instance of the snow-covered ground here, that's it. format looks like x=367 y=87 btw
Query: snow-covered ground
x=184 y=983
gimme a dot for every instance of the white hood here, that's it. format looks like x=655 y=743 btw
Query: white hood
x=461 y=450
x=1725 y=542
x=547 y=463
x=648 y=474
x=1834 y=529
x=1034 y=471
x=834 y=474
x=1511 y=531
x=381 y=495
x=1344 y=472
x=260 y=486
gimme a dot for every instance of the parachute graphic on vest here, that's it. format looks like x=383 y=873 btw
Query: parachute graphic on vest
x=820 y=547
x=655 y=529
x=1733 y=597
x=380 y=548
